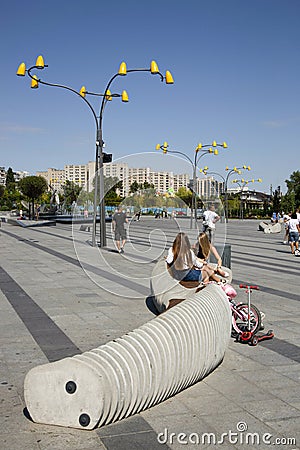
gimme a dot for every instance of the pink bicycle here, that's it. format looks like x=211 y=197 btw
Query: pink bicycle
x=246 y=317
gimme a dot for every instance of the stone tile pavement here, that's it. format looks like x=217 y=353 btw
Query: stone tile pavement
x=59 y=296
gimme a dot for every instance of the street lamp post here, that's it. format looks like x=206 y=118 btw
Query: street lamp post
x=200 y=151
x=106 y=96
x=225 y=180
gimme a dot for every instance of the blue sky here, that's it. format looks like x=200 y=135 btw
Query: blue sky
x=235 y=65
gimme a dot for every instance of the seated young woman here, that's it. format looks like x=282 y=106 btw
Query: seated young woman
x=185 y=265
x=203 y=248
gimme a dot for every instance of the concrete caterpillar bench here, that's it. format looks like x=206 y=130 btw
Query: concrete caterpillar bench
x=270 y=227
x=139 y=370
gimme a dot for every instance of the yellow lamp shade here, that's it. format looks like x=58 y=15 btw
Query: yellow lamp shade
x=214 y=143
x=199 y=146
x=235 y=169
x=21 y=70
x=210 y=150
x=242 y=180
x=169 y=78
x=82 y=91
x=122 y=69
x=34 y=82
x=224 y=145
x=40 y=62
x=216 y=151
x=108 y=95
x=259 y=180
x=166 y=145
x=157 y=147
x=124 y=96
x=239 y=172
x=248 y=168
x=201 y=170
x=226 y=168
x=154 y=67
x=165 y=150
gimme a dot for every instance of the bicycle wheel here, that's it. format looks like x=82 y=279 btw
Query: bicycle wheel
x=240 y=318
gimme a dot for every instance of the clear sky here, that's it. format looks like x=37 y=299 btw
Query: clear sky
x=235 y=65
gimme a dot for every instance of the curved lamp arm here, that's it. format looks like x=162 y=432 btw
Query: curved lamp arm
x=62 y=87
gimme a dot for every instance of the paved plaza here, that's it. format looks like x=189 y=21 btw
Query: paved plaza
x=59 y=296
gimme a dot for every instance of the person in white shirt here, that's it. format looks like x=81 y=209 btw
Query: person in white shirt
x=210 y=218
x=294 y=229
x=184 y=264
x=286 y=219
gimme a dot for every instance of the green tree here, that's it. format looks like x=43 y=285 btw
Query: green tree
x=293 y=185
x=134 y=187
x=10 y=181
x=186 y=195
x=111 y=186
x=276 y=201
x=71 y=192
x=147 y=185
x=33 y=187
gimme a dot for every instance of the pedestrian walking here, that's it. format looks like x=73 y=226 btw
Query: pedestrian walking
x=118 y=225
x=210 y=218
x=294 y=229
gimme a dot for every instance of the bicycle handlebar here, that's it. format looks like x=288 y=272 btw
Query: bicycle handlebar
x=245 y=286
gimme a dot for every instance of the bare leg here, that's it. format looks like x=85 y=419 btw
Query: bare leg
x=209 y=274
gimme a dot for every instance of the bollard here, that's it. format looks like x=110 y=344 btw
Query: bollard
x=224 y=251
x=136 y=371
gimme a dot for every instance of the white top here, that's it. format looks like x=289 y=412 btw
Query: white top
x=293 y=225
x=210 y=217
x=196 y=261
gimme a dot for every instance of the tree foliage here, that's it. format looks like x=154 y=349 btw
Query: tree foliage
x=33 y=187
x=10 y=181
x=293 y=185
x=71 y=192
x=186 y=195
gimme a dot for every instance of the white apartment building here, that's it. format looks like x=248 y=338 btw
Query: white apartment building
x=180 y=181
x=209 y=187
x=140 y=175
x=2 y=176
x=54 y=177
x=83 y=175
x=120 y=171
x=162 y=181
x=78 y=173
x=18 y=175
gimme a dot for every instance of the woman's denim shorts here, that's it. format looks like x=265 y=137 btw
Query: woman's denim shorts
x=294 y=236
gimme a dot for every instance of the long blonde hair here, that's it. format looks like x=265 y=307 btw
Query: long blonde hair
x=182 y=251
x=204 y=245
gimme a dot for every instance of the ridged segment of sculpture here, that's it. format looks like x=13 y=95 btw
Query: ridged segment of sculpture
x=136 y=371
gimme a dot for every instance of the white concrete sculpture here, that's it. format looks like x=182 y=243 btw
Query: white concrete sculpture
x=136 y=371
x=268 y=228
